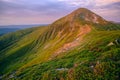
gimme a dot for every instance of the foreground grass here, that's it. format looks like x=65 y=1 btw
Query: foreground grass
x=96 y=60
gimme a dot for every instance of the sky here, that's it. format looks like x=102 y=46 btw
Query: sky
x=16 y=12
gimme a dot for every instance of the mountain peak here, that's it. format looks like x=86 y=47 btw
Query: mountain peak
x=82 y=10
x=84 y=14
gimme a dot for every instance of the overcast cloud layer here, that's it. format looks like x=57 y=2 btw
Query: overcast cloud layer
x=46 y=11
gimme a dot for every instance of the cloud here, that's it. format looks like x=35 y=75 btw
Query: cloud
x=105 y=2
x=109 y=10
x=110 y=15
x=46 y=11
x=89 y=2
x=7 y=0
x=47 y=7
x=34 y=12
x=115 y=5
x=77 y=2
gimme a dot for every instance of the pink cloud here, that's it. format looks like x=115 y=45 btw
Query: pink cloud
x=104 y=2
x=89 y=2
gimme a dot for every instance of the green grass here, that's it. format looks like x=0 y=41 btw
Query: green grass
x=29 y=54
x=77 y=61
x=105 y=62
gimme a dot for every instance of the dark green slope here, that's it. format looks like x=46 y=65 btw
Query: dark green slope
x=81 y=45
x=17 y=45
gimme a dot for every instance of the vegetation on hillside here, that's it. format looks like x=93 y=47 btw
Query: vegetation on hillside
x=69 y=49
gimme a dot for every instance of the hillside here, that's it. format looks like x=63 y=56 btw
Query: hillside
x=82 y=45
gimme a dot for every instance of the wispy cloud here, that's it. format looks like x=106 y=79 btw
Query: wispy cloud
x=89 y=2
x=105 y=2
x=47 y=11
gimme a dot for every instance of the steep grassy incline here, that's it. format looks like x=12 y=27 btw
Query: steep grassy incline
x=98 y=57
x=72 y=48
x=11 y=38
x=17 y=46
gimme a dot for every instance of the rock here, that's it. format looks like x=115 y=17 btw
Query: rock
x=11 y=76
x=1 y=77
x=117 y=41
x=92 y=66
x=62 y=69
x=110 y=44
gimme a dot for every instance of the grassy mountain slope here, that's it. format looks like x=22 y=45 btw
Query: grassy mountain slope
x=96 y=60
x=72 y=48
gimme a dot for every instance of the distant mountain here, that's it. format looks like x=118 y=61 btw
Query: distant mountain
x=80 y=46
x=22 y=26
x=12 y=28
x=7 y=30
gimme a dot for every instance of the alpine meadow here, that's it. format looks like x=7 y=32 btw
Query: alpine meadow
x=79 y=46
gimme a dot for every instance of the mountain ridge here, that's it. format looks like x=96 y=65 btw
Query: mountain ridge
x=68 y=48
x=84 y=14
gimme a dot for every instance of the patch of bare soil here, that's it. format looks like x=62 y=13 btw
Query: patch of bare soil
x=83 y=31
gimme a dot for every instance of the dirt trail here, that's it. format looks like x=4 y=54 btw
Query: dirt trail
x=84 y=30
